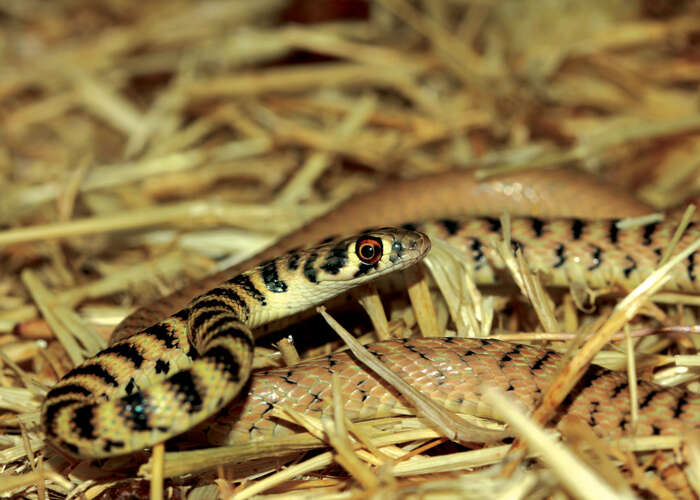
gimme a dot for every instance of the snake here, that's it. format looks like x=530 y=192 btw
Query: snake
x=176 y=373
x=110 y=406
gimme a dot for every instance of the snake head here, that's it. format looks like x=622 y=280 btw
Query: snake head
x=366 y=256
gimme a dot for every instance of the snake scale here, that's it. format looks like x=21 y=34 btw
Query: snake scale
x=155 y=383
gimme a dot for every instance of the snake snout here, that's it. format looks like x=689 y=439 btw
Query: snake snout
x=420 y=243
x=412 y=247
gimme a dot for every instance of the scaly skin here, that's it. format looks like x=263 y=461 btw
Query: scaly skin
x=171 y=376
x=451 y=371
x=573 y=251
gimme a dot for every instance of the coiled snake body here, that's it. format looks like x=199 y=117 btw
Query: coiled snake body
x=449 y=370
x=161 y=381
x=166 y=379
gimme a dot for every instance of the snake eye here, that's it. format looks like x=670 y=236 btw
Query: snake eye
x=369 y=250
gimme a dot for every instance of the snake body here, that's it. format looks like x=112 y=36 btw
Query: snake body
x=552 y=193
x=164 y=379
x=595 y=253
x=172 y=375
x=451 y=372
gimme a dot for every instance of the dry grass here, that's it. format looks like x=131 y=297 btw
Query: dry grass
x=146 y=144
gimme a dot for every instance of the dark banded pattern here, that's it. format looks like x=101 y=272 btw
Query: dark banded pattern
x=614 y=231
x=568 y=252
x=309 y=269
x=246 y=283
x=451 y=226
x=649 y=232
x=230 y=294
x=271 y=278
x=51 y=412
x=127 y=352
x=162 y=334
x=691 y=266
x=93 y=370
x=69 y=389
x=171 y=376
x=336 y=260
x=134 y=409
x=537 y=226
x=223 y=357
x=208 y=310
x=187 y=389
x=84 y=418
x=293 y=262
x=577 y=228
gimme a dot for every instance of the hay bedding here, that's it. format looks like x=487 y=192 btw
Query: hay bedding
x=145 y=144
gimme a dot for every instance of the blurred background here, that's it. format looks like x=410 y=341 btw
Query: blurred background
x=260 y=115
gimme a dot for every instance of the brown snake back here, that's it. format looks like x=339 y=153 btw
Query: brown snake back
x=451 y=371
x=543 y=193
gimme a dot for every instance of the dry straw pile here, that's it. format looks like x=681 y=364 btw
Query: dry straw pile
x=147 y=144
